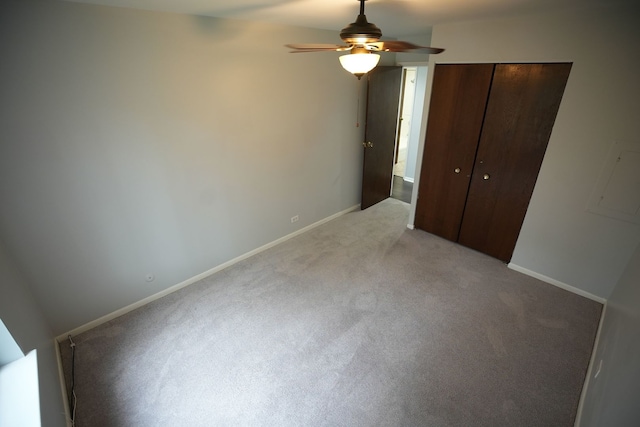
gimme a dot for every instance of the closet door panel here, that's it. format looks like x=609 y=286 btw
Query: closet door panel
x=458 y=100
x=521 y=111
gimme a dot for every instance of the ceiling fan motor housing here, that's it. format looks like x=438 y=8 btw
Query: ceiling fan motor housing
x=361 y=31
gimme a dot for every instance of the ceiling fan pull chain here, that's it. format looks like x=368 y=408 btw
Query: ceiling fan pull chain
x=358 y=107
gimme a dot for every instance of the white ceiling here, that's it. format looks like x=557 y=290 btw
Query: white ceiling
x=395 y=17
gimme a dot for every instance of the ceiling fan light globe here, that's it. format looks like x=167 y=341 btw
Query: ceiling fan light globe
x=359 y=63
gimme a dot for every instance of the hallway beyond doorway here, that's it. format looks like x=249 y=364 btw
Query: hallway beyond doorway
x=401 y=189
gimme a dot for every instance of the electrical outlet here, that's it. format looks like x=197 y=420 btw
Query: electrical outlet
x=294 y=219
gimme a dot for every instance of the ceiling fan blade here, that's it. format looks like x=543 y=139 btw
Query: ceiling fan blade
x=316 y=47
x=362 y=36
x=402 y=46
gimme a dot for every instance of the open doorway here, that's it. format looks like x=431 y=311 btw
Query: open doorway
x=385 y=97
x=414 y=81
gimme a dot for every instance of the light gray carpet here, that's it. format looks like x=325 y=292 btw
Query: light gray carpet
x=359 y=322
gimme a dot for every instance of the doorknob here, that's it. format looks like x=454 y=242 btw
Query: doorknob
x=486 y=176
x=367 y=144
x=457 y=170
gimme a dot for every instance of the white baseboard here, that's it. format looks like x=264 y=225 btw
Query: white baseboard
x=192 y=280
x=411 y=226
x=557 y=283
x=592 y=362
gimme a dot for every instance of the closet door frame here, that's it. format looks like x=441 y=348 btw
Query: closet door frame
x=480 y=199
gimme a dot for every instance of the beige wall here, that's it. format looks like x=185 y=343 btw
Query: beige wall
x=612 y=397
x=138 y=142
x=601 y=104
x=23 y=317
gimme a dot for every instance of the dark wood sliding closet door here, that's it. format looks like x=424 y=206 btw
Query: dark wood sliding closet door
x=520 y=114
x=458 y=101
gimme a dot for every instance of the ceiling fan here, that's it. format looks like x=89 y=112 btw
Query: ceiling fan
x=362 y=39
